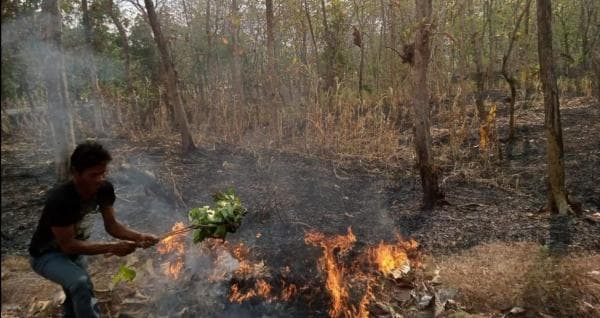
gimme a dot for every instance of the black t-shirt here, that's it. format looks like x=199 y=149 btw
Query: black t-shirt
x=65 y=207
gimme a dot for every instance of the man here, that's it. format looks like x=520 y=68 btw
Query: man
x=59 y=243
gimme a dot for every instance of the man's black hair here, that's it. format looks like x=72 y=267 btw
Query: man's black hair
x=88 y=154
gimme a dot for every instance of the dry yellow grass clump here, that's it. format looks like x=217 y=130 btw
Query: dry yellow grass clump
x=499 y=276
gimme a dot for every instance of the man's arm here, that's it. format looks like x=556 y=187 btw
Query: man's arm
x=118 y=230
x=69 y=244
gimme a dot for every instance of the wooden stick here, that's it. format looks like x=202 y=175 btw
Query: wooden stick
x=184 y=230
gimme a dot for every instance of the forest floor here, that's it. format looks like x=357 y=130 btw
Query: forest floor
x=493 y=242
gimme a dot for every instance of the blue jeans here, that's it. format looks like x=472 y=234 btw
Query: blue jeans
x=70 y=272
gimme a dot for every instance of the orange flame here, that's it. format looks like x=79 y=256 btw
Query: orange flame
x=262 y=289
x=335 y=273
x=393 y=259
x=172 y=244
x=389 y=258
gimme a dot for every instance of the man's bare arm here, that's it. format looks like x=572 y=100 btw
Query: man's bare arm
x=118 y=230
x=69 y=244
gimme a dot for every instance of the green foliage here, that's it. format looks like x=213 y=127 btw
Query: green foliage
x=225 y=217
x=125 y=273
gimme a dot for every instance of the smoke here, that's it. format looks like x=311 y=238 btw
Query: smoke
x=25 y=54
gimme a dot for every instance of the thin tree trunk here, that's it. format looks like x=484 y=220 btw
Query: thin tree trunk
x=172 y=80
x=585 y=21
x=330 y=52
x=490 y=80
x=59 y=114
x=113 y=11
x=312 y=32
x=432 y=194
x=526 y=51
x=510 y=79
x=197 y=55
x=479 y=77
x=557 y=194
x=393 y=44
x=361 y=69
x=236 y=51
x=381 y=42
x=358 y=40
x=476 y=40
x=596 y=73
x=208 y=55
x=272 y=77
x=97 y=98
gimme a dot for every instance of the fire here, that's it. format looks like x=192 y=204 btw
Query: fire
x=389 y=259
x=172 y=244
x=335 y=273
x=392 y=259
x=261 y=289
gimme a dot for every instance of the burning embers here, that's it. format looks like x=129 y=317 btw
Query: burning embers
x=257 y=274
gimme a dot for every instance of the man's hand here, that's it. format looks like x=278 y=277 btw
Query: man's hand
x=147 y=240
x=123 y=248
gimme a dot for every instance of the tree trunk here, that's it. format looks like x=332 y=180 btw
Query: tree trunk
x=312 y=32
x=557 y=195
x=596 y=72
x=171 y=78
x=512 y=82
x=236 y=52
x=588 y=12
x=358 y=40
x=525 y=62
x=432 y=194
x=330 y=51
x=113 y=11
x=382 y=35
x=208 y=55
x=490 y=80
x=272 y=77
x=56 y=89
x=97 y=99
x=479 y=77
x=393 y=44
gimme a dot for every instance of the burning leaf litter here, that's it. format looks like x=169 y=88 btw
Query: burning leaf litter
x=358 y=284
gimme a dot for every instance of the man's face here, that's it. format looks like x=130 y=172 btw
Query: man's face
x=92 y=178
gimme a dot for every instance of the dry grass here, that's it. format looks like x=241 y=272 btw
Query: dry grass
x=334 y=125
x=498 y=276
